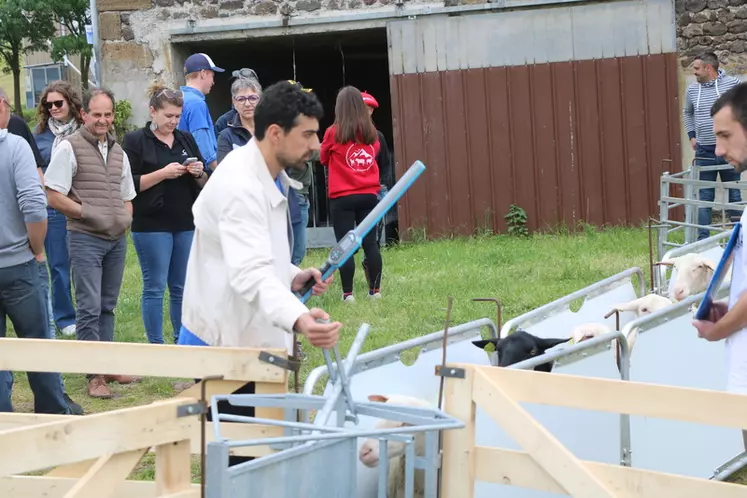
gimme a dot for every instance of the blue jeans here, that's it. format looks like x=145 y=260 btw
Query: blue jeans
x=22 y=300
x=58 y=259
x=163 y=260
x=299 y=231
x=707 y=157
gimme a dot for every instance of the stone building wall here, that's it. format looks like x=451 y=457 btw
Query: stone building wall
x=716 y=25
x=134 y=34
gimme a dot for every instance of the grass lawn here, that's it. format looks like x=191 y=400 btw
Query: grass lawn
x=418 y=278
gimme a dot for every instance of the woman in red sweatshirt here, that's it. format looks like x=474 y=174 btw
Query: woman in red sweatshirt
x=349 y=151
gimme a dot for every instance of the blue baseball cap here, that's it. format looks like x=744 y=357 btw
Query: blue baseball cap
x=198 y=62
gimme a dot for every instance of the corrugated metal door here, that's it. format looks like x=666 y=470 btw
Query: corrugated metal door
x=566 y=111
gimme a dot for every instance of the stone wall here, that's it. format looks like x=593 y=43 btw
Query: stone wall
x=716 y=25
x=136 y=48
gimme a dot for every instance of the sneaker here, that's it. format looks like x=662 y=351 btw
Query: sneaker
x=69 y=330
x=349 y=298
x=375 y=295
x=75 y=408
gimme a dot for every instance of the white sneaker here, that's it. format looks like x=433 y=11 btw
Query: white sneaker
x=349 y=299
x=376 y=295
x=69 y=330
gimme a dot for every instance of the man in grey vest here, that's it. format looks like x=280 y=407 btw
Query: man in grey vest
x=90 y=182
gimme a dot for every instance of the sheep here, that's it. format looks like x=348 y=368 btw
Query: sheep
x=369 y=451
x=641 y=307
x=694 y=272
x=520 y=346
x=644 y=305
x=589 y=330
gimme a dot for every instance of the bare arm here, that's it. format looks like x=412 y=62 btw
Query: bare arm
x=151 y=179
x=128 y=207
x=734 y=320
x=64 y=204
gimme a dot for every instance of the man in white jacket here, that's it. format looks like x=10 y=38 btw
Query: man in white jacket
x=239 y=283
x=728 y=320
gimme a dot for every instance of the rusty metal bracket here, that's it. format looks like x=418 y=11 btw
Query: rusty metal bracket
x=290 y=363
x=447 y=371
x=499 y=306
x=617 y=318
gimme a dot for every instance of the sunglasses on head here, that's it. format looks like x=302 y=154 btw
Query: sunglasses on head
x=56 y=103
x=245 y=73
x=170 y=94
x=299 y=85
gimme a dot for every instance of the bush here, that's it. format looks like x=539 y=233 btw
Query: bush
x=122 y=114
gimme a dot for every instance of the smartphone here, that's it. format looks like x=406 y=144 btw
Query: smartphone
x=189 y=161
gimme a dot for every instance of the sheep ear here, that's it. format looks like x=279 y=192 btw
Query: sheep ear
x=631 y=306
x=377 y=398
x=482 y=344
x=709 y=264
x=545 y=344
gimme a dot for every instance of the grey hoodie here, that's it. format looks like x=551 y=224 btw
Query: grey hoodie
x=22 y=199
x=699 y=98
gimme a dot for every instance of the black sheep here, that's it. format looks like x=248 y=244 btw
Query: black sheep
x=520 y=346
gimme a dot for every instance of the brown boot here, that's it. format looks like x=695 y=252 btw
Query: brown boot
x=122 y=379
x=97 y=388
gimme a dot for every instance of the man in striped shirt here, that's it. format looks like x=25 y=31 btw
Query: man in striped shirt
x=711 y=83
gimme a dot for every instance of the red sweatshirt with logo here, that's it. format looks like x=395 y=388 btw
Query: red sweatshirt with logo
x=352 y=166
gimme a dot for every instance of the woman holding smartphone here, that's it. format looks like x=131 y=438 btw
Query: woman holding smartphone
x=168 y=172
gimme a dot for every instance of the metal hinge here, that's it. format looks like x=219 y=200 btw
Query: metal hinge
x=447 y=371
x=192 y=409
x=290 y=363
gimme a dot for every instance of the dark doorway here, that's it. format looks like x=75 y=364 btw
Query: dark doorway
x=323 y=62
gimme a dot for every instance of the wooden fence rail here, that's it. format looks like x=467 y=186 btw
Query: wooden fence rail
x=545 y=464
x=235 y=366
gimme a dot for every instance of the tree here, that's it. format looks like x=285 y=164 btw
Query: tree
x=25 y=26
x=73 y=15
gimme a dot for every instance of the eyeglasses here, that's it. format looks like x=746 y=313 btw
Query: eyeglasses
x=245 y=72
x=300 y=86
x=3 y=101
x=251 y=99
x=56 y=103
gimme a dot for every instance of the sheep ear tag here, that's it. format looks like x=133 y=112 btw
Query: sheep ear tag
x=489 y=348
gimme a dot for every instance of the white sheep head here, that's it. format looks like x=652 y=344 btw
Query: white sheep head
x=644 y=305
x=694 y=271
x=369 y=451
x=587 y=331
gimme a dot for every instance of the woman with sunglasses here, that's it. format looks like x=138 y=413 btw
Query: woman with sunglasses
x=58 y=116
x=168 y=172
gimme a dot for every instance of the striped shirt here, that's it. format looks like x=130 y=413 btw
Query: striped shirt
x=699 y=98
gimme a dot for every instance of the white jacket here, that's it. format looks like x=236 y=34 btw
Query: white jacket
x=237 y=288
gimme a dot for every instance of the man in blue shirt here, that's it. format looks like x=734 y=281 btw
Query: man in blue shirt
x=199 y=71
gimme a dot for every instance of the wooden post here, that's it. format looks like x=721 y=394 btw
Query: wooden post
x=173 y=468
x=458 y=469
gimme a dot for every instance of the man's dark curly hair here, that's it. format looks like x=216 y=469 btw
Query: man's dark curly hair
x=281 y=103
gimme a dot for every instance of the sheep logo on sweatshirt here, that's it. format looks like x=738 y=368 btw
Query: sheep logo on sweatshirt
x=360 y=157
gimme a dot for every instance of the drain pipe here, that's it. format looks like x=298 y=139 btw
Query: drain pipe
x=96 y=42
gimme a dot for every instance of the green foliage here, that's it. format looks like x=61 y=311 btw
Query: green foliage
x=25 y=26
x=73 y=15
x=122 y=114
x=517 y=221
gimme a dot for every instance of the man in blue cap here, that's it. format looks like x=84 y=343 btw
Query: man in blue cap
x=199 y=71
